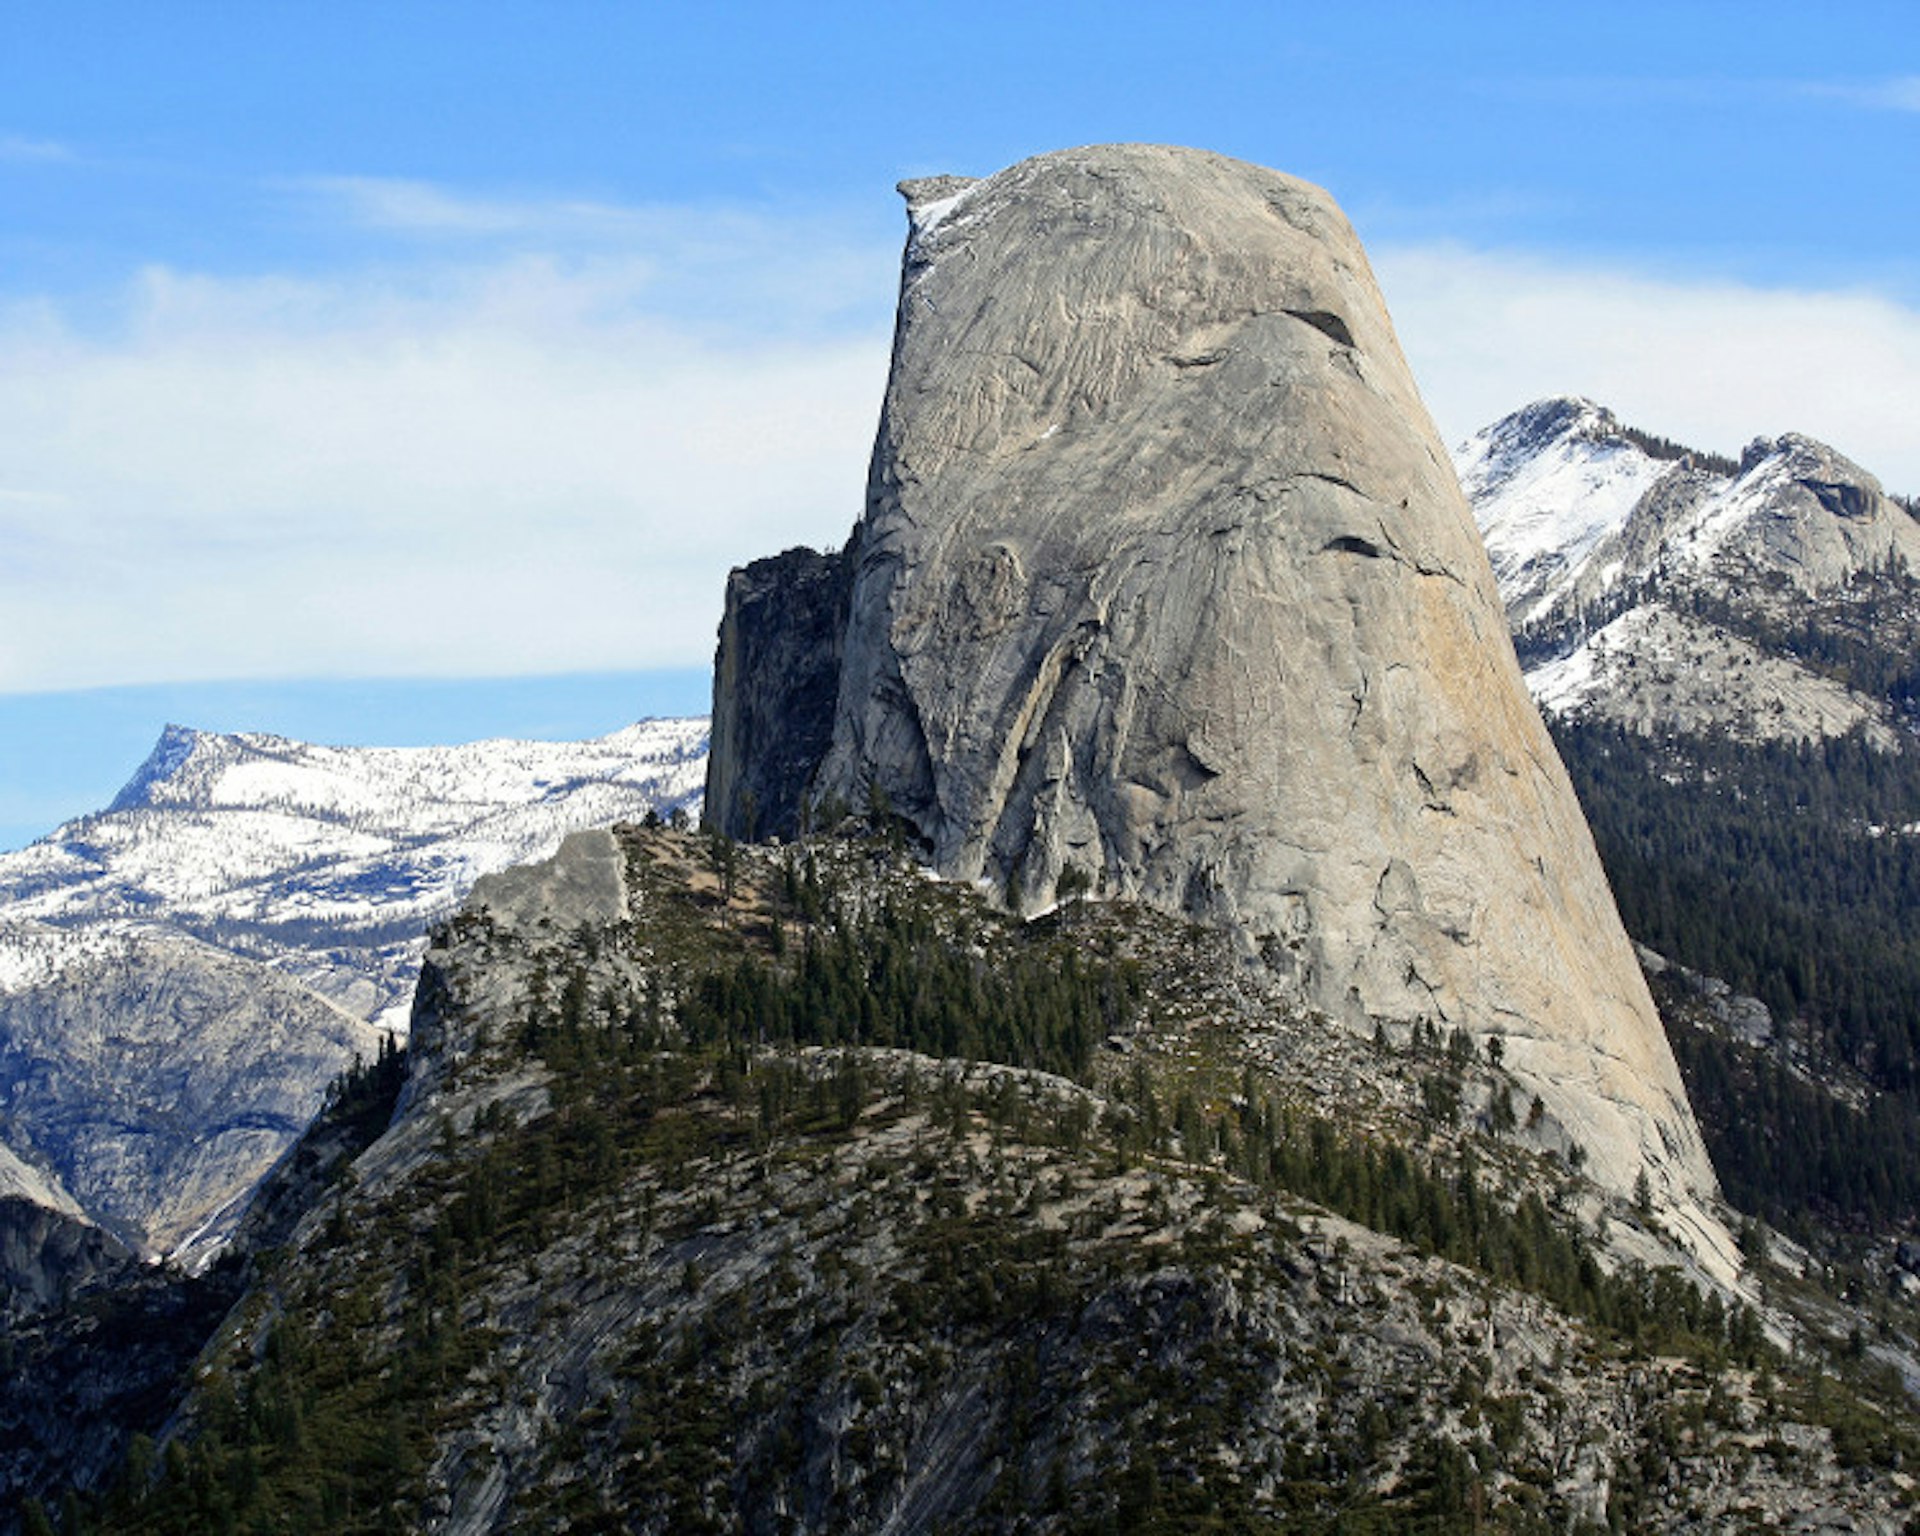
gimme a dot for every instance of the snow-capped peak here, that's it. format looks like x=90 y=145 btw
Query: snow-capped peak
x=169 y=755
x=1606 y=541
x=204 y=956
x=1561 y=491
x=277 y=845
x=1495 y=453
x=1548 y=484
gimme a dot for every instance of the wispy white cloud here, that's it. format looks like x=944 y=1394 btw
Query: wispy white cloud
x=519 y=454
x=511 y=465
x=17 y=149
x=1900 y=94
x=740 y=268
x=1711 y=363
x=423 y=208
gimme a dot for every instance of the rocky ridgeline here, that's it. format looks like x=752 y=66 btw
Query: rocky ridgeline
x=1726 y=649
x=183 y=974
x=1267 y=1124
x=680 y=1223
x=1165 y=583
x=1676 y=592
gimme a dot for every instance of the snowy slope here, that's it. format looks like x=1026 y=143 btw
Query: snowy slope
x=1610 y=555
x=183 y=973
x=331 y=861
x=1548 y=485
x=1658 y=670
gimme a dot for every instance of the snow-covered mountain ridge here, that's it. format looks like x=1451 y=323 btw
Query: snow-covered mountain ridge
x=1730 y=659
x=183 y=973
x=1548 y=485
x=329 y=862
x=1648 y=583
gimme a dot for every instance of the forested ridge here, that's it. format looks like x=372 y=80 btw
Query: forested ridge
x=745 y=1061
x=1787 y=870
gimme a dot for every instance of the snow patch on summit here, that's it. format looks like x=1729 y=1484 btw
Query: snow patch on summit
x=1547 y=486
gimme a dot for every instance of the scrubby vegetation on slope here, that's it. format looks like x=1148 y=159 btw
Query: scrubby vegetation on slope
x=820 y=1195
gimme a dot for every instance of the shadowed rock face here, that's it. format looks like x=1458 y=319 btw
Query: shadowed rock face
x=1165 y=577
x=776 y=678
x=45 y=1255
x=159 y=1078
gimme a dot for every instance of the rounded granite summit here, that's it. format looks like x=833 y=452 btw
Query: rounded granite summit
x=1164 y=578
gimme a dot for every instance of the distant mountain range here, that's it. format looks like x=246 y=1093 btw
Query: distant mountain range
x=1665 y=588
x=183 y=974
x=670 y=1210
x=1185 y=1069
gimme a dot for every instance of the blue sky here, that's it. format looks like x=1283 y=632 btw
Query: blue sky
x=464 y=345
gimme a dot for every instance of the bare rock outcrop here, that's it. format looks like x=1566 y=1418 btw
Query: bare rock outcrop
x=776 y=681
x=1657 y=669
x=46 y=1255
x=1164 y=577
x=1819 y=516
x=158 y=1078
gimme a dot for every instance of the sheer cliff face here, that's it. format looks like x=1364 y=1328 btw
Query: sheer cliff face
x=776 y=676
x=1165 y=577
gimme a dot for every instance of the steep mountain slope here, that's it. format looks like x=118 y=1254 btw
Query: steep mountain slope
x=158 y=1076
x=736 y=1188
x=1729 y=653
x=183 y=974
x=1164 y=585
x=1657 y=587
x=794 y=1187
x=1549 y=486
x=97 y=1345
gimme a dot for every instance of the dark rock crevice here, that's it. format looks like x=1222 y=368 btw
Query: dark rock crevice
x=1326 y=323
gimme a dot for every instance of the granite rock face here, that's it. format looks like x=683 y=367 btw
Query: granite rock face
x=1164 y=577
x=1821 y=516
x=776 y=680
x=46 y=1255
x=158 y=1078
